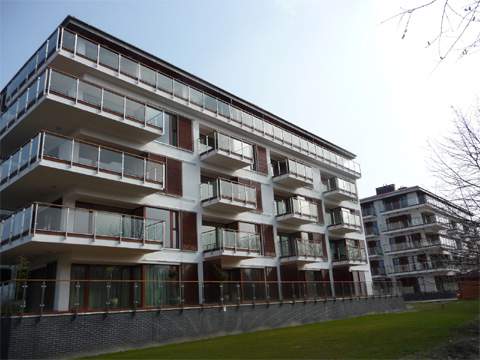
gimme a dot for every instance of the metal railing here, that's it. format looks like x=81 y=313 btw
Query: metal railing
x=370 y=211
x=34 y=296
x=293 y=168
x=297 y=206
x=301 y=248
x=375 y=251
x=155 y=81
x=227 y=144
x=422 y=266
x=85 y=223
x=232 y=191
x=83 y=154
x=228 y=239
x=335 y=183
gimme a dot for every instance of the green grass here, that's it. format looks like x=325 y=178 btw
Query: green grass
x=379 y=336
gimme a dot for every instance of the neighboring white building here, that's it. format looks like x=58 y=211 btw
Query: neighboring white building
x=120 y=166
x=412 y=237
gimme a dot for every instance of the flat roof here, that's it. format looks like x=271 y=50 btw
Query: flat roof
x=71 y=20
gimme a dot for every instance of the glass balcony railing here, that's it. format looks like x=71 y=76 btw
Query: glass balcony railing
x=375 y=251
x=232 y=191
x=422 y=266
x=83 y=154
x=231 y=146
x=26 y=73
x=370 y=211
x=85 y=93
x=349 y=253
x=297 y=206
x=227 y=239
x=293 y=168
x=101 y=56
x=378 y=271
x=341 y=185
x=441 y=241
x=408 y=223
x=53 y=219
x=301 y=247
x=341 y=216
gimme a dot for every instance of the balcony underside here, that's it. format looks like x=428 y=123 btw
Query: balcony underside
x=348 y=262
x=430 y=227
x=342 y=229
x=227 y=206
x=338 y=196
x=295 y=219
x=231 y=254
x=291 y=181
x=301 y=260
x=61 y=115
x=61 y=243
x=224 y=160
x=446 y=272
x=437 y=249
x=43 y=180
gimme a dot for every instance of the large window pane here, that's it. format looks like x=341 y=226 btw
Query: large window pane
x=128 y=67
x=63 y=85
x=87 y=49
x=108 y=58
x=85 y=154
x=113 y=102
x=164 y=83
x=161 y=285
x=147 y=75
x=89 y=94
x=110 y=160
x=135 y=110
x=68 y=42
x=57 y=147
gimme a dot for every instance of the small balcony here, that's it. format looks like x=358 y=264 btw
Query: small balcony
x=378 y=272
x=338 y=190
x=368 y=213
x=349 y=256
x=343 y=221
x=423 y=267
x=431 y=222
x=56 y=227
x=301 y=251
x=228 y=196
x=374 y=252
x=225 y=151
x=55 y=96
x=223 y=242
x=441 y=242
x=68 y=162
x=291 y=173
x=296 y=211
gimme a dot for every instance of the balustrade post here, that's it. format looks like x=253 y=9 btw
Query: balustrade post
x=76 y=304
x=23 y=304
x=253 y=293
x=238 y=294
x=221 y=294
x=107 y=302
x=42 y=297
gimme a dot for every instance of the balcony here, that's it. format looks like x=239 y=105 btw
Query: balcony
x=223 y=242
x=49 y=160
x=423 y=267
x=368 y=213
x=301 y=251
x=91 y=54
x=291 y=173
x=343 y=221
x=349 y=256
x=442 y=242
x=433 y=223
x=228 y=196
x=56 y=96
x=374 y=252
x=378 y=272
x=225 y=151
x=340 y=190
x=296 y=211
x=60 y=228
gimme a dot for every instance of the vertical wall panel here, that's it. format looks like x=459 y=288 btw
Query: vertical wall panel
x=188 y=223
x=268 y=241
x=261 y=163
x=174 y=177
x=185 y=137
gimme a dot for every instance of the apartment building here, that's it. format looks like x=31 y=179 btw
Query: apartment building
x=120 y=166
x=413 y=237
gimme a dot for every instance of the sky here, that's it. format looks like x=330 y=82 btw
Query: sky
x=334 y=68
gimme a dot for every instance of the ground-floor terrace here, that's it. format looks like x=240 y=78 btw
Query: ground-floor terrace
x=77 y=287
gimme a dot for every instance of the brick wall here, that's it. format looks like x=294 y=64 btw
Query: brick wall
x=66 y=335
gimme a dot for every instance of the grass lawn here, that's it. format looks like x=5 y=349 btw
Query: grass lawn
x=373 y=336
